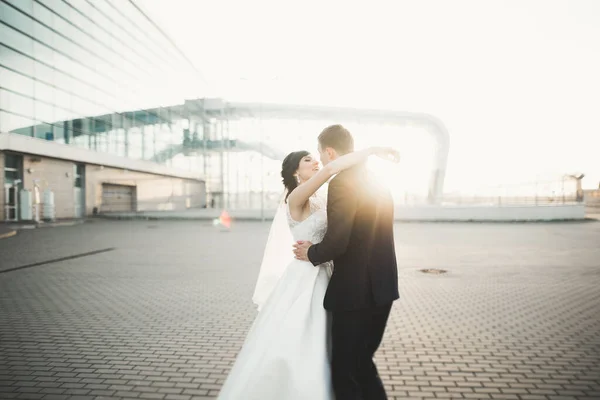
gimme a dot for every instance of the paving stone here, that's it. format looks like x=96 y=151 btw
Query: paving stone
x=514 y=318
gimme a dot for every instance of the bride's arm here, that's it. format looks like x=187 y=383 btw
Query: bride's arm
x=302 y=193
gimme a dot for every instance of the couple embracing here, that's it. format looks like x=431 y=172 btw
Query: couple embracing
x=327 y=282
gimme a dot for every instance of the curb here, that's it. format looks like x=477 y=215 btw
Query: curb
x=44 y=224
x=6 y=235
x=142 y=217
x=153 y=218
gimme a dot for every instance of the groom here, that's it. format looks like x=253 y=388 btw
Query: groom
x=360 y=241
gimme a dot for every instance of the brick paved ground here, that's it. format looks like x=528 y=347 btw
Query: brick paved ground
x=162 y=312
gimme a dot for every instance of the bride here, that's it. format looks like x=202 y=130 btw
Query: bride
x=285 y=355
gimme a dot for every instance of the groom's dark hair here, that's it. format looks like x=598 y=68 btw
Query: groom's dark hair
x=338 y=138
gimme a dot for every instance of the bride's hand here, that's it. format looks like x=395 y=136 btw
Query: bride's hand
x=387 y=153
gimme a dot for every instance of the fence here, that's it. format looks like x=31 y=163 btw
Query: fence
x=555 y=192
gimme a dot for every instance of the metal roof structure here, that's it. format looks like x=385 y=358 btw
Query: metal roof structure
x=204 y=111
x=220 y=109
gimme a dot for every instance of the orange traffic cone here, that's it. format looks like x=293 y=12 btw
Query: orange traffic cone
x=225 y=219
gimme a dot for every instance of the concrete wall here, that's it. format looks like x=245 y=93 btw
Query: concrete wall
x=491 y=213
x=53 y=174
x=153 y=192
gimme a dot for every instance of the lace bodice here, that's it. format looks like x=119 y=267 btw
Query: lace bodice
x=313 y=228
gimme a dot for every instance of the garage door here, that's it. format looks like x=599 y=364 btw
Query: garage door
x=117 y=198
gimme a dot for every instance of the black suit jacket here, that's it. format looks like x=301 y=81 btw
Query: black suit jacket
x=360 y=241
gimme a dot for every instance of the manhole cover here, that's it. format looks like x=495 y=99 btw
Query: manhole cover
x=434 y=271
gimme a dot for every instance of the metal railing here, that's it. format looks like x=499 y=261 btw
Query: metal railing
x=495 y=201
x=498 y=196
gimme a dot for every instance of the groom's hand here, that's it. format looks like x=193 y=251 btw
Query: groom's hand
x=301 y=250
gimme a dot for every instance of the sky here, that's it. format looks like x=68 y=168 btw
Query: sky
x=515 y=82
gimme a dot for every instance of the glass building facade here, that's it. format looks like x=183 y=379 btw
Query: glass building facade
x=100 y=75
x=94 y=74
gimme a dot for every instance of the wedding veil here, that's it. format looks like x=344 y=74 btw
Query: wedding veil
x=277 y=256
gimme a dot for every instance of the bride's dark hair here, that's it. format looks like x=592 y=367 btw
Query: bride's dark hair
x=289 y=167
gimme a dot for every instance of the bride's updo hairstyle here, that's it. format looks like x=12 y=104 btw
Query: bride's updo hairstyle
x=289 y=167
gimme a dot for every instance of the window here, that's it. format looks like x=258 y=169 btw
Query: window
x=43 y=92
x=43 y=131
x=24 y=5
x=77 y=127
x=42 y=14
x=44 y=112
x=16 y=82
x=16 y=40
x=16 y=103
x=10 y=122
x=12 y=161
x=59 y=132
x=16 y=19
x=58 y=6
x=42 y=70
x=78 y=171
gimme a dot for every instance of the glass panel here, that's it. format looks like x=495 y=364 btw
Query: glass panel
x=83 y=7
x=16 y=18
x=43 y=92
x=15 y=123
x=17 y=103
x=43 y=34
x=176 y=134
x=144 y=51
x=148 y=141
x=102 y=141
x=77 y=127
x=16 y=82
x=11 y=176
x=15 y=61
x=135 y=142
x=43 y=14
x=86 y=57
x=16 y=40
x=44 y=112
x=63 y=45
x=80 y=132
x=25 y=5
x=68 y=66
x=116 y=121
x=139 y=26
x=59 y=132
x=117 y=20
x=72 y=85
x=120 y=143
x=63 y=102
x=43 y=53
x=13 y=161
x=68 y=29
x=57 y=6
x=43 y=131
x=92 y=23
x=74 y=16
x=68 y=131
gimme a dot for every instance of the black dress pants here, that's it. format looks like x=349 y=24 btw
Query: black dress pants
x=356 y=335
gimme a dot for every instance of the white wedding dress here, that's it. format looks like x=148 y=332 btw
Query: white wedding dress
x=285 y=355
